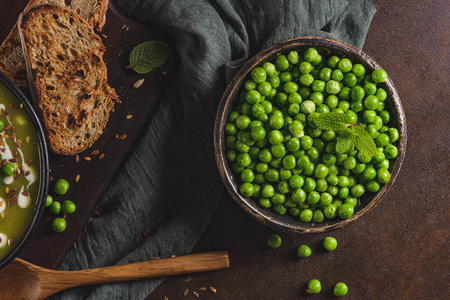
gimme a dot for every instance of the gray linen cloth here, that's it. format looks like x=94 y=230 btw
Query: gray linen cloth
x=171 y=172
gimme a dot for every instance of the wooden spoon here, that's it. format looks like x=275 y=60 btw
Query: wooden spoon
x=23 y=280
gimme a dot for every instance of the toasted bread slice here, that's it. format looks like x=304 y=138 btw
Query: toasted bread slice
x=67 y=76
x=12 y=63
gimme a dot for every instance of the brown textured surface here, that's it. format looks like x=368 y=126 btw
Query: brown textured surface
x=47 y=248
x=398 y=250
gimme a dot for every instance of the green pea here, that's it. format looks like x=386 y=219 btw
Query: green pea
x=48 y=201
x=59 y=224
x=8 y=169
x=330 y=243
x=68 y=207
x=61 y=186
x=314 y=286
x=340 y=289
x=304 y=251
x=55 y=208
x=274 y=241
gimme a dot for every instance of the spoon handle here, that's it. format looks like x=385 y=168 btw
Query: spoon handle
x=201 y=262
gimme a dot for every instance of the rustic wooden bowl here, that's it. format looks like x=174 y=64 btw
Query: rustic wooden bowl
x=230 y=99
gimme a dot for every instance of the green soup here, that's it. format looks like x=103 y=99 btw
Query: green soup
x=19 y=171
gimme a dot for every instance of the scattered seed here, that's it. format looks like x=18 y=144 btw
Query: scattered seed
x=8 y=117
x=104 y=35
x=14 y=198
x=6 y=127
x=30 y=162
x=136 y=240
x=85 y=229
x=64 y=216
x=13 y=160
x=15 y=175
x=100 y=157
x=27 y=139
x=77 y=158
x=74 y=245
x=87 y=158
x=28 y=173
x=51 y=178
x=158 y=220
x=133 y=64
x=4 y=162
x=77 y=178
x=96 y=213
x=15 y=153
x=196 y=294
x=128 y=117
x=11 y=130
x=156 y=258
x=2 y=214
x=13 y=136
x=17 y=144
x=213 y=290
x=9 y=195
x=13 y=190
x=145 y=232
x=122 y=137
x=164 y=72
x=10 y=203
x=6 y=190
x=187 y=279
x=165 y=298
x=10 y=242
x=173 y=255
x=12 y=106
x=26 y=194
x=138 y=83
x=202 y=289
x=95 y=152
x=3 y=149
x=18 y=171
x=186 y=291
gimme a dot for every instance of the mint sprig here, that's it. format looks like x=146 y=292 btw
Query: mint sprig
x=350 y=134
x=148 y=56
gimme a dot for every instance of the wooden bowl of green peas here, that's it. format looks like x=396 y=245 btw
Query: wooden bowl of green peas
x=309 y=135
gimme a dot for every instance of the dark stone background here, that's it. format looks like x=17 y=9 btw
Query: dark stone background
x=400 y=249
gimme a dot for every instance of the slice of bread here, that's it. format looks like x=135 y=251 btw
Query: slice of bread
x=12 y=63
x=67 y=76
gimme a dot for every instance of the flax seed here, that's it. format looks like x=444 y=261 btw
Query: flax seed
x=202 y=289
x=64 y=216
x=28 y=173
x=14 y=198
x=4 y=162
x=17 y=144
x=95 y=152
x=117 y=136
x=30 y=162
x=18 y=171
x=136 y=240
x=13 y=136
x=10 y=242
x=10 y=202
x=129 y=117
x=26 y=194
x=27 y=139
x=96 y=213
x=13 y=190
x=122 y=137
x=165 y=298
x=3 y=149
x=13 y=160
x=77 y=178
x=15 y=153
x=15 y=175
x=51 y=178
x=213 y=290
x=6 y=128
x=138 y=83
x=7 y=190
x=77 y=158
x=74 y=245
x=87 y=158
x=12 y=106
x=196 y=294
x=186 y=291
x=100 y=157
x=187 y=279
x=2 y=214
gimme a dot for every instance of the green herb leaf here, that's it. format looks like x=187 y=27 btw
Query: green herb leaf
x=363 y=141
x=344 y=142
x=148 y=56
x=333 y=121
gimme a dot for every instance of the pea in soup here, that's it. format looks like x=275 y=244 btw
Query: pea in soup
x=19 y=171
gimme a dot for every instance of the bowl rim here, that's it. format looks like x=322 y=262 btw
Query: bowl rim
x=44 y=168
x=262 y=214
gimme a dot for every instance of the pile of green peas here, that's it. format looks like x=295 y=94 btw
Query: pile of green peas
x=55 y=207
x=286 y=162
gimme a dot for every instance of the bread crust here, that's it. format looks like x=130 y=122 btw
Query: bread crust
x=68 y=85
x=13 y=66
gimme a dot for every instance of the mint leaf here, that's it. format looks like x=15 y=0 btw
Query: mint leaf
x=333 y=121
x=363 y=141
x=344 y=142
x=148 y=56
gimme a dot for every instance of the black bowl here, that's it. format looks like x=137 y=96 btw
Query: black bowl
x=230 y=98
x=44 y=166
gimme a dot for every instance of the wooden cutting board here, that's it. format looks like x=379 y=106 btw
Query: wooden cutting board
x=120 y=34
